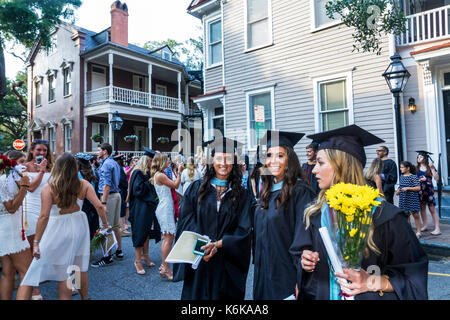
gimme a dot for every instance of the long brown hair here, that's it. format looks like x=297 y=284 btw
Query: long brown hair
x=426 y=163
x=159 y=163
x=65 y=183
x=86 y=171
x=49 y=156
x=347 y=169
x=294 y=172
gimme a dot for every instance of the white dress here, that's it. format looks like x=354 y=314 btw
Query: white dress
x=33 y=202
x=65 y=247
x=10 y=224
x=165 y=211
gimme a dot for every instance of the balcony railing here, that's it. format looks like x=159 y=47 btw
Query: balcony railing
x=133 y=97
x=426 y=26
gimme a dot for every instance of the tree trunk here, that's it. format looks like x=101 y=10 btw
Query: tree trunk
x=2 y=73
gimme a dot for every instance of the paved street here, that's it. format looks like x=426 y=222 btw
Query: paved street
x=120 y=281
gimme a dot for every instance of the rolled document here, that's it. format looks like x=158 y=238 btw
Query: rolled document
x=337 y=266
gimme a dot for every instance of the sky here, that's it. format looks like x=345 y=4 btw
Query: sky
x=149 y=20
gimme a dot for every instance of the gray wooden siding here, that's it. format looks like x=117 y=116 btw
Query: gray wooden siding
x=296 y=57
x=213 y=76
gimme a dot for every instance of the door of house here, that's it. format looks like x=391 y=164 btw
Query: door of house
x=446 y=94
x=98 y=77
x=142 y=141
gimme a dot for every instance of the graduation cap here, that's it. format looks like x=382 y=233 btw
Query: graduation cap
x=223 y=145
x=149 y=153
x=281 y=138
x=84 y=157
x=424 y=153
x=351 y=139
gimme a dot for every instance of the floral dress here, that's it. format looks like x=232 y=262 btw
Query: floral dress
x=426 y=193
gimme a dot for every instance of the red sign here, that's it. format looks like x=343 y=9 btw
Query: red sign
x=19 y=145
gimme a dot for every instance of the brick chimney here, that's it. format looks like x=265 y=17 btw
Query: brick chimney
x=119 y=23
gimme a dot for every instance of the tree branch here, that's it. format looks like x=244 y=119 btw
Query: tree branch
x=19 y=96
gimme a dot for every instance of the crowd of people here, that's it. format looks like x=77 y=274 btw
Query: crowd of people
x=268 y=213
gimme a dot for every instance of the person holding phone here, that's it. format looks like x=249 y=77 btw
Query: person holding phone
x=218 y=207
x=39 y=164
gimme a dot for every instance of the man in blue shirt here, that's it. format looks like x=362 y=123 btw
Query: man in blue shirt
x=108 y=188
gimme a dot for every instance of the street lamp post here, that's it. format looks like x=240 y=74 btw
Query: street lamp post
x=116 y=123
x=397 y=77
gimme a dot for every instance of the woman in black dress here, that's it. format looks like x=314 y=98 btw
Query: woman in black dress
x=143 y=202
x=220 y=208
x=279 y=213
x=392 y=247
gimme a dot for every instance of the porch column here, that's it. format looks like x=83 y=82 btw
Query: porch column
x=111 y=137
x=85 y=83
x=150 y=72
x=186 y=96
x=179 y=136
x=111 y=79
x=432 y=120
x=85 y=133
x=180 y=108
x=150 y=135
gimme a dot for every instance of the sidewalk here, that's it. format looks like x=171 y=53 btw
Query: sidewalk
x=437 y=245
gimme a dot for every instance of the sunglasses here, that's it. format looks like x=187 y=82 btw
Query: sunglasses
x=41 y=141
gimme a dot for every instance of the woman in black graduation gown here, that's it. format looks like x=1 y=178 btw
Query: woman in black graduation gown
x=283 y=197
x=392 y=246
x=143 y=202
x=219 y=207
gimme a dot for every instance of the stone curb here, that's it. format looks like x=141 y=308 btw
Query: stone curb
x=436 y=248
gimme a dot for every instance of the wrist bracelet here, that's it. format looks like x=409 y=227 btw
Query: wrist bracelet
x=387 y=285
x=35 y=241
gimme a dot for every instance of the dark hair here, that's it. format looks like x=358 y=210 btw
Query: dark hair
x=86 y=171
x=14 y=155
x=313 y=146
x=407 y=164
x=293 y=173
x=427 y=165
x=386 y=149
x=106 y=146
x=235 y=180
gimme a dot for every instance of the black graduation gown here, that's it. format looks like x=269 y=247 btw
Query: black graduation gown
x=312 y=180
x=123 y=186
x=275 y=231
x=224 y=276
x=390 y=172
x=143 y=203
x=402 y=259
x=92 y=216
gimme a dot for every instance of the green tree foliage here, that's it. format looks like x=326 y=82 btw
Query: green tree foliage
x=173 y=45
x=13 y=117
x=370 y=19
x=26 y=21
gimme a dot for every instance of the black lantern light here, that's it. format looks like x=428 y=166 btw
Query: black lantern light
x=397 y=77
x=116 y=123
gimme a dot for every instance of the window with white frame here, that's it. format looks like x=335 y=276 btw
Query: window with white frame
x=166 y=54
x=67 y=82
x=67 y=138
x=320 y=13
x=258 y=20
x=51 y=138
x=51 y=87
x=103 y=130
x=214 y=42
x=259 y=102
x=334 y=111
x=38 y=87
x=218 y=120
x=160 y=90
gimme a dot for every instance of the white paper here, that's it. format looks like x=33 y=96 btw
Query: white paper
x=337 y=266
x=292 y=297
x=183 y=250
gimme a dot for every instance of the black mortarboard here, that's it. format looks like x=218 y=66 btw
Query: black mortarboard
x=424 y=153
x=281 y=138
x=223 y=145
x=351 y=139
x=149 y=153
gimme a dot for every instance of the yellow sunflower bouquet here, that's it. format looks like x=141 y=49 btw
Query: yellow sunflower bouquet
x=353 y=207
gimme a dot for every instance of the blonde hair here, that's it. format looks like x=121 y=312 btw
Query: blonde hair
x=376 y=167
x=142 y=165
x=159 y=163
x=347 y=169
x=65 y=183
x=190 y=167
